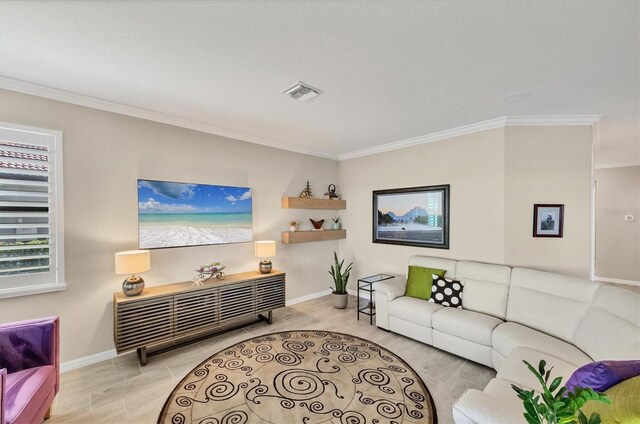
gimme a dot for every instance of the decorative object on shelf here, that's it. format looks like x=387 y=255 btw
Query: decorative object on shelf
x=331 y=192
x=548 y=220
x=306 y=192
x=206 y=272
x=340 y=280
x=265 y=249
x=133 y=262
x=336 y=222
x=317 y=225
x=415 y=216
x=293 y=225
x=562 y=407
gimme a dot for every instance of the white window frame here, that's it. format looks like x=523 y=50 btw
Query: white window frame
x=53 y=280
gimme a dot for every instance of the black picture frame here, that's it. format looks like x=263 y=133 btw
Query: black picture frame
x=548 y=220
x=413 y=216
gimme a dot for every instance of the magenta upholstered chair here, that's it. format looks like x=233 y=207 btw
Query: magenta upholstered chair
x=29 y=369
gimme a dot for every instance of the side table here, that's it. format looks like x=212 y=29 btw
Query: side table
x=366 y=284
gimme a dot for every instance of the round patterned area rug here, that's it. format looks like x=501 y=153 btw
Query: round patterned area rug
x=304 y=377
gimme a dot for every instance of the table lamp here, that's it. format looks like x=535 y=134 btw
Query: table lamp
x=133 y=262
x=265 y=249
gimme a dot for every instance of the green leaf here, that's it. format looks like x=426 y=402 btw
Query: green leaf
x=582 y=419
x=541 y=366
x=580 y=402
x=594 y=419
x=546 y=376
x=555 y=383
x=531 y=420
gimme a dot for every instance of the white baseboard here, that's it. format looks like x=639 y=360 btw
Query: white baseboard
x=110 y=354
x=618 y=281
x=87 y=360
x=301 y=299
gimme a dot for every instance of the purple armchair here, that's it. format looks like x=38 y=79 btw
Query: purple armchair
x=29 y=369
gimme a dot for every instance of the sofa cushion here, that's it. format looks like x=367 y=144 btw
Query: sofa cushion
x=27 y=391
x=611 y=327
x=510 y=335
x=624 y=406
x=449 y=265
x=603 y=374
x=486 y=287
x=552 y=303
x=469 y=325
x=413 y=310
x=420 y=280
x=516 y=371
x=446 y=292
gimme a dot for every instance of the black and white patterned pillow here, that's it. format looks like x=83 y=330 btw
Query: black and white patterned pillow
x=446 y=292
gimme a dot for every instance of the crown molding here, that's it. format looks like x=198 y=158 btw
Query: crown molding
x=616 y=165
x=505 y=121
x=109 y=106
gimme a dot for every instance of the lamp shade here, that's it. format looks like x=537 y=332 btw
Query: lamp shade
x=265 y=248
x=133 y=261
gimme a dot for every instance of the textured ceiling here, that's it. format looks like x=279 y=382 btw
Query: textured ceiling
x=389 y=70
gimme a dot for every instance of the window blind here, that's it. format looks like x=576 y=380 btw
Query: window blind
x=25 y=246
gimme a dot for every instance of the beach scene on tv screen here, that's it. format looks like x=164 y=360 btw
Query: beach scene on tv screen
x=180 y=214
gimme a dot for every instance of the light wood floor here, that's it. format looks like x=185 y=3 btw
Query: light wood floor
x=121 y=391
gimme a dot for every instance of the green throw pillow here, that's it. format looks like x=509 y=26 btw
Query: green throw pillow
x=420 y=281
x=624 y=407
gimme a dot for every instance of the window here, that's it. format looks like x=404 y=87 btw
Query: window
x=31 y=211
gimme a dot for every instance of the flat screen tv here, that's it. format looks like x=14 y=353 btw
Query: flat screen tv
x=179 y=214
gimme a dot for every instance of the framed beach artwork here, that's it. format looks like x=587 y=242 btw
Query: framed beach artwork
x=416 y=216
x=174 y=214
x=548 y=220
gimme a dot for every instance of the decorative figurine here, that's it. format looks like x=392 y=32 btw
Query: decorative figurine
x=306 y=192
x=331 y=192
x=317 y=225
x=205 y=272
x=293 y=225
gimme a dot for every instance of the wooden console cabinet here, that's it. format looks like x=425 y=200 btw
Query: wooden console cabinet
x=166 y=313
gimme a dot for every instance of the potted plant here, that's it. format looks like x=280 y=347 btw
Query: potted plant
x=340 y=280
x=560 y=408
x=336 y=222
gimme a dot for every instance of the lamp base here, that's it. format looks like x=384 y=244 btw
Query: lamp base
x=265 y=266
x=133 y=285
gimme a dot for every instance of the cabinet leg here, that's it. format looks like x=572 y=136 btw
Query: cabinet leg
x=268 y=319
x=142 y=355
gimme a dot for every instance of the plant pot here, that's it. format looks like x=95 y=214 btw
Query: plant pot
x=293 y=228
x=339 y=300
x=335 y=225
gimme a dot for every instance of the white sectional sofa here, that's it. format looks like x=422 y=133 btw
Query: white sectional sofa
x=511 y=314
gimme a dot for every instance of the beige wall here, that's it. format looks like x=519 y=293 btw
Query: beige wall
x=617 y=240
x=496 y=176
x=473 y=165
x=104 y=154
x=548 y=165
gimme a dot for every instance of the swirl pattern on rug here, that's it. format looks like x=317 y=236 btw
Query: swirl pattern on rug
x=305 y=377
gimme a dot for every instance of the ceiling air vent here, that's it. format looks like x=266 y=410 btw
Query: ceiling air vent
x=301 y=91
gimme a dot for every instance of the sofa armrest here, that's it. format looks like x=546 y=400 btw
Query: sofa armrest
x=30 y=344
x=391 y=288
x=476 y=407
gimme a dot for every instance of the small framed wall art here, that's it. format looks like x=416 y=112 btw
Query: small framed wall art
x=548 y=220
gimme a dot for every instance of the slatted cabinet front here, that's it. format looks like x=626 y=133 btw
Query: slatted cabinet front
x=165 y=313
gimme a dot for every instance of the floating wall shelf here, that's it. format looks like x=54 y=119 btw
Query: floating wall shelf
x=313 y=203
x=305 y=236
